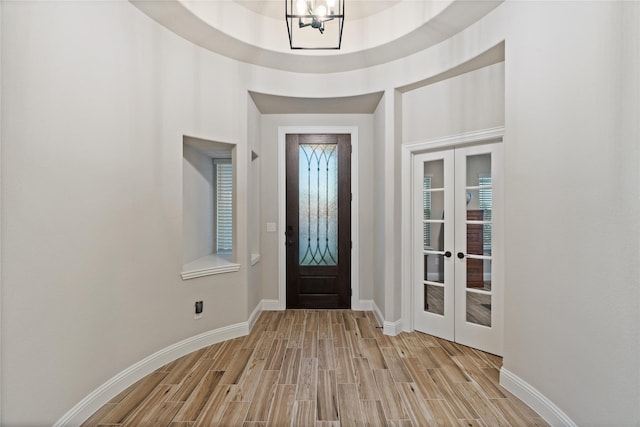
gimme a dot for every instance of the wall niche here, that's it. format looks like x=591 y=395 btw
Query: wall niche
x=208 y=207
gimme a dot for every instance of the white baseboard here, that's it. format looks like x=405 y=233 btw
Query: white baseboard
x=534 y=399
x=392 y=328
x=100 y=396
x=388 y=328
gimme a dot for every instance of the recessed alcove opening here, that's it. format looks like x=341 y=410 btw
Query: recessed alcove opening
x=208 y=208
x=254 y=208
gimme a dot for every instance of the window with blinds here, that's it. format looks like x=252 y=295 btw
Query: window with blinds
x=426 y=207
x=224 y=207
x=486 y=203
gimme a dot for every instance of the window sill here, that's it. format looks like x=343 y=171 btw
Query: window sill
x=209 y=265
x=255 y=258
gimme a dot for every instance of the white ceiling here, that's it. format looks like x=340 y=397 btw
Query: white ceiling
x=375 y=31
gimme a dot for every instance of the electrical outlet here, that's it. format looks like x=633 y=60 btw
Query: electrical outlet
x=199 y=308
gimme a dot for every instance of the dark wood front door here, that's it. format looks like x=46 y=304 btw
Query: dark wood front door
x=318 y=226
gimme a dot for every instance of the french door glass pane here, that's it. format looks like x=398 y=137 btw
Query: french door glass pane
x=479 y=198
x=479 y=308
x=479 y=273
x=435 y=170
x=479 y=239
x=318 y=193
x=434 y=299
x=477 y=166
x=436 y=236
x=434 y=268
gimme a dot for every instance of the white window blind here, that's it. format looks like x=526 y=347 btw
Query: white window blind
x=426 y=207
x=485 y=201
x=224 y=207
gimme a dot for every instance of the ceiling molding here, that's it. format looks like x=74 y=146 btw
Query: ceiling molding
x=181 y=18
x=492 y=56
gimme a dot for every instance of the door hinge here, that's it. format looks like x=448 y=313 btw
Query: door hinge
x=350 y=292
x=351 y=197
x=351 y=149
x=351 y=244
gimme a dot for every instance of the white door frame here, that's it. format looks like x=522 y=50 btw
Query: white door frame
x=282 y=208
x=406 y=253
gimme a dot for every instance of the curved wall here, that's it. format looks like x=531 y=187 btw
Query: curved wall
x=96 y=98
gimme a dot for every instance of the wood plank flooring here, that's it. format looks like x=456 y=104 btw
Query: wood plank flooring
x=322 y=368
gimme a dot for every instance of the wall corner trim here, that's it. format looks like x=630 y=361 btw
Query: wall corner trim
x=100 y=396
x=536 y=400
x=392 y=328
x=388 y=328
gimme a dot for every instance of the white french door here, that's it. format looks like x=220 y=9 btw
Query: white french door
x=457 y=245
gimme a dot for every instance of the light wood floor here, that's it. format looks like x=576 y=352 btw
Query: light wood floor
x=322 y=368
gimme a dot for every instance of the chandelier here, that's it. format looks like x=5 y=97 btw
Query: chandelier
x=304 y=17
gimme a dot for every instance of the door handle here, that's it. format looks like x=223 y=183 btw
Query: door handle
x=461 y=255
x=447 y=254
x=288 y=234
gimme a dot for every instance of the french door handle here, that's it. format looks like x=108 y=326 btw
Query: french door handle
x=461 y=255
x=447 y=254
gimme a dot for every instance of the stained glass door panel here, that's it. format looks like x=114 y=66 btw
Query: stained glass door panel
x=318 y=204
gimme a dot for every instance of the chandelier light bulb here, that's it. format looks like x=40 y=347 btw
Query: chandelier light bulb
x=331 y=4
x=321 y=10
x=301 y=7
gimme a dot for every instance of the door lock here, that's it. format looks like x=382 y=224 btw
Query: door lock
x=460 y=255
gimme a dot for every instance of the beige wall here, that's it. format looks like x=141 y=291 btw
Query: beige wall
x=96 y=100
x=469 y=102
x=566 y=93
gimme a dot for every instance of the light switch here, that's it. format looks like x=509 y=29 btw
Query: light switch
x=271 y=227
